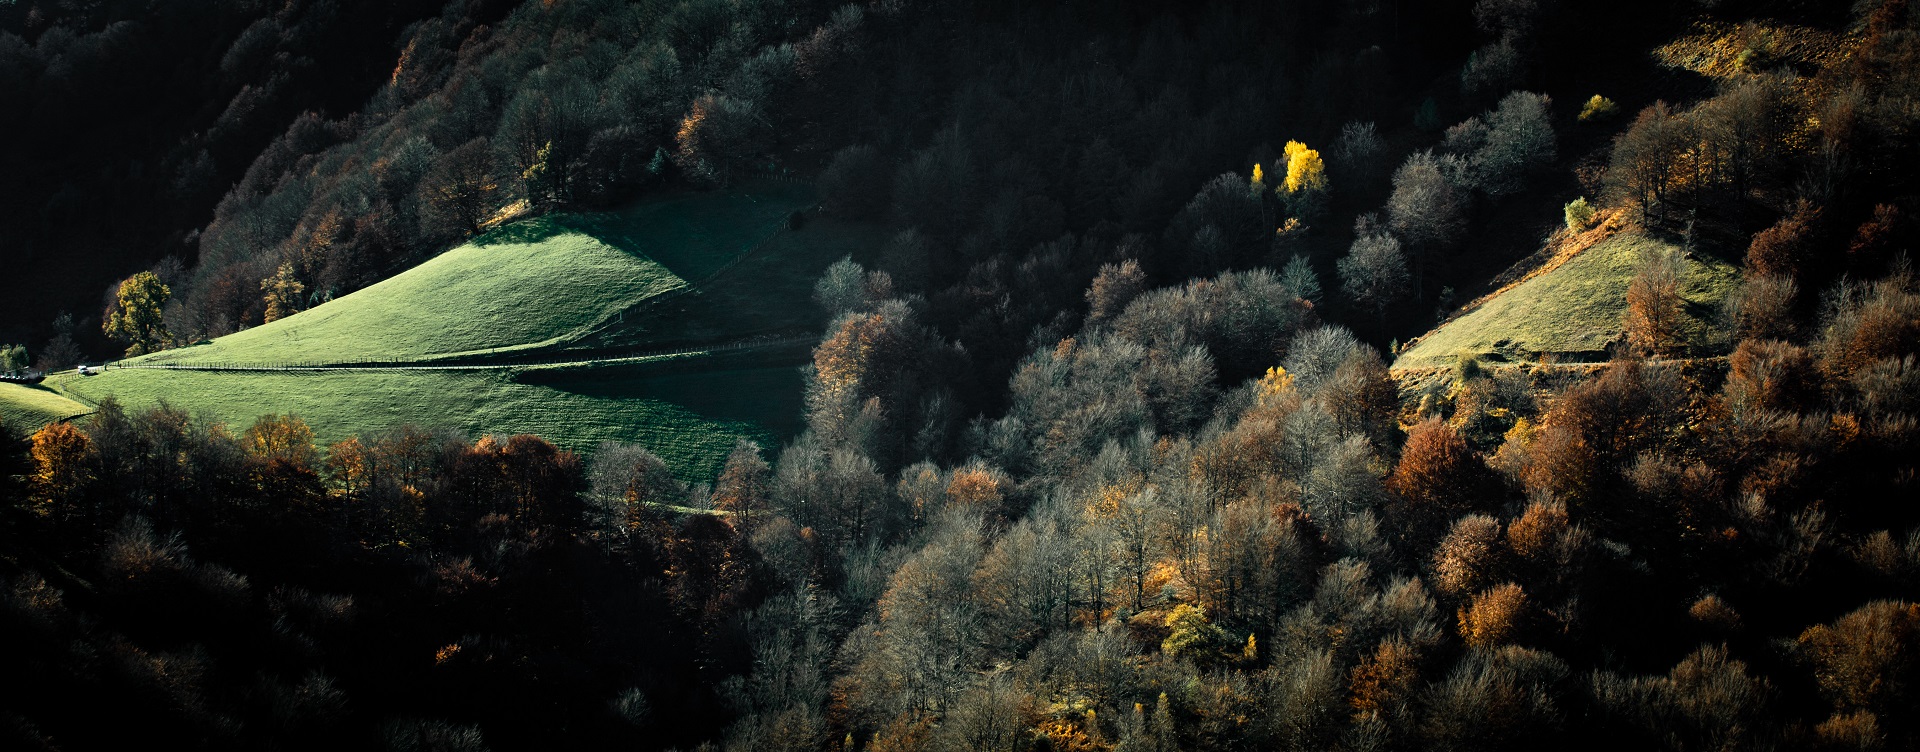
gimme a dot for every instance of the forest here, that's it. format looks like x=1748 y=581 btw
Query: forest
x=1110 y=445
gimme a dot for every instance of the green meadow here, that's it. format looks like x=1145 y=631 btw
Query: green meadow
x=29 y=407
x=687 y=270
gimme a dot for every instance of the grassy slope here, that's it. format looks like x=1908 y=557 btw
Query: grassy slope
x=1572 y=311
x=475 y=297
x=690 y=419
x=541 y=283
x=538 y=283
x=25 y=407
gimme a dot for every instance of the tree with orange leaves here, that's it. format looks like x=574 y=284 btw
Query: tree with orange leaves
x=1785 y=249
x=1493 y=617
x=1437 y=479
x=1655 y=309
x=63 y=465
x=978 y=488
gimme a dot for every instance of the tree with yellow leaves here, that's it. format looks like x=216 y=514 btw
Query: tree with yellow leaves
x=1304 y=191
x=285 y=438
x=1305 y=170
x=1189 y=632
x=283 y=291
x=1275 y=388
x=135 y=316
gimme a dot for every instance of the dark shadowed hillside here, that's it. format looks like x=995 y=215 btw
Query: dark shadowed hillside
x=1481 y=375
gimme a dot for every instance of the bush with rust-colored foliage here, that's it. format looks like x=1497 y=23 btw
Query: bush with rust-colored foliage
x=1868 y=659
x=1876 y=240
x=1788 y=247
x=1548 y=543
x=1771 y=375
x=1493 y=617
x=1386 y=679
x=1868 y=322
x=1593 y=429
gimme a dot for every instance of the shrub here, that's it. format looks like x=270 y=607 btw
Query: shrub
x=1713 y=611
x=1386 y=679
x=1438 y=478
x=1426 y=209
x=1866 y=323
x=1786 y=248
x=1190 y=633
x=1867 y=660
x=1579 y=215
x=1113 y=288
x=1770 y=375
x=1543 y=536
x=1598 y=108
x=1519 y=141
x=1501 y=698
x=1299 y=279
x=1374 y=273
x=1762 y=308
x=842 y=288
x=1876 y=240
x=1493 y=617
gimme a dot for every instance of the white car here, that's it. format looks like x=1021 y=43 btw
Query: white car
x=85 y=371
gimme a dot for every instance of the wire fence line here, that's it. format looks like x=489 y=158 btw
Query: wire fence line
x=503 y=363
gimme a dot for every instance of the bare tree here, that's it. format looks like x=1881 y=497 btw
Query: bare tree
x=1374 y=273
x=1426 y=208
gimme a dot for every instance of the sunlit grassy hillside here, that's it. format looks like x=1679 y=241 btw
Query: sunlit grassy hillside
x=1574 y=311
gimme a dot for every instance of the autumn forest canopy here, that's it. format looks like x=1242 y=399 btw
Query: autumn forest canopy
x=960 y=375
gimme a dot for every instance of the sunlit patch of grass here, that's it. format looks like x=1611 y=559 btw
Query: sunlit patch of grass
x=27 y=408
x=1571 y=309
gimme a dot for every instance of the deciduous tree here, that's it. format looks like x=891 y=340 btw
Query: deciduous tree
x=283 y=293
x=1374 y=273
x=1655 y=310
x=458 y=194
x=135 y=318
